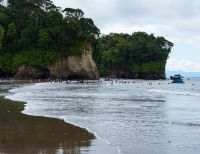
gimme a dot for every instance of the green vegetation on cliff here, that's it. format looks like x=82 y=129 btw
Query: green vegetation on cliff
x=36 y=32
x=125 y=55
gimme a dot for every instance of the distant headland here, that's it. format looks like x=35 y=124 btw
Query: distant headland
x=39 y=40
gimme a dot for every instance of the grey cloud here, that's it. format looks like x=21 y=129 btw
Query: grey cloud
x=177 y=19
x=182 y=15
x=135 y=11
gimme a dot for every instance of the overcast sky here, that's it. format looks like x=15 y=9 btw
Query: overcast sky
x=176 y=20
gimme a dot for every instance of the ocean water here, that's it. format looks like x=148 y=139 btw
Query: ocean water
x=136 y=117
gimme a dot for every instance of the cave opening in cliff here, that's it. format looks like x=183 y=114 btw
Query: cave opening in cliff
x=74 y=76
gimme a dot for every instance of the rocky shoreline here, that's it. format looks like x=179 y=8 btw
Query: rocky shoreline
x=141 y=75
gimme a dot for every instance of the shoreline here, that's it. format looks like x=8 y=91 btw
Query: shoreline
x=21 y=133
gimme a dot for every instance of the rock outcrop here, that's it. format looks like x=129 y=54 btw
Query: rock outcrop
x=152 y=76
x=4 y=74
x=71 y=67
x=35 y=72
x=128 y=75
x=76 y=67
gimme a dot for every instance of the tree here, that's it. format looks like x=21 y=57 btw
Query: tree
x=73 y=13
x=138 y=53
x=44 y=39
x=4 y=19
x=34 y=27
x=88 y=27
x=1 y=34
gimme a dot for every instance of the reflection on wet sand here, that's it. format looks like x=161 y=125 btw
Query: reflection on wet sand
x=21 y=133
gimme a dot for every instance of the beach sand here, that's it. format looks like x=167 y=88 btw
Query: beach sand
x=20 y=133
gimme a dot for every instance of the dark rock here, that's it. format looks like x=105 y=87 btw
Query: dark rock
x=34 y=72
x=152 y=76
x=129 y=75
x=4 y=74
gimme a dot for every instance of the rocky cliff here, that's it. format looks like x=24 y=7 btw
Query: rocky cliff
x=128 y=75
x=71 y=67
x=35 y=72
x=76 y=67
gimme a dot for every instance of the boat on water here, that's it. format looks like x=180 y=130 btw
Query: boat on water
x=177 y=78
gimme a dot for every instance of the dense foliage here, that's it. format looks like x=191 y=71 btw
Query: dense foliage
x=136 y=53
x=36 y=32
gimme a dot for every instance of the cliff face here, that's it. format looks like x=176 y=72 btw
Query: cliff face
x=76 y=67
x=128 y=75
x=35 y=72
x=72 y=67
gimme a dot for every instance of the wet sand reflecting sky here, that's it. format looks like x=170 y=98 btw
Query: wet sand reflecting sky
x=21 y=133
